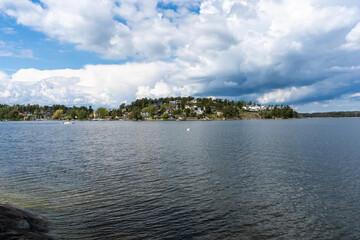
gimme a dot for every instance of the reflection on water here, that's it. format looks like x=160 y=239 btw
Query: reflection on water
x=156 y=180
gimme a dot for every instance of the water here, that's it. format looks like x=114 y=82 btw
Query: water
x=288 y=179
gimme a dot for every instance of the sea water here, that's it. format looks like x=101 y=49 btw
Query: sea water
x=257 y=179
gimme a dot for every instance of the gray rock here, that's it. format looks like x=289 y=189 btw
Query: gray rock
x=19 y=224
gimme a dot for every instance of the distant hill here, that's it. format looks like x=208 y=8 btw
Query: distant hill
x=169 y=108
x=331 y=114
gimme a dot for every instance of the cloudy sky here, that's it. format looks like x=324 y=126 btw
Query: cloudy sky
x=105 y=52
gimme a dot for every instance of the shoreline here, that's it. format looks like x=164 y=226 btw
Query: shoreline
x=160 y=120
x=16 y=223
x=157 y=120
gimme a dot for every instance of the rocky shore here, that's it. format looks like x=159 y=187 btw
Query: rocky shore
x=19 y=224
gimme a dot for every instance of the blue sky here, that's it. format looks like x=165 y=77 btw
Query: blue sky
x=103 y=53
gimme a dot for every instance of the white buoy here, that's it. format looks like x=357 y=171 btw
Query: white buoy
x=188 y=129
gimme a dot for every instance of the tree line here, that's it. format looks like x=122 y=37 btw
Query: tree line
x=148 y=108
x=331 y=114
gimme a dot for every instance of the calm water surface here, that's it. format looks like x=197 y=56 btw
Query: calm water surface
x=289 y=179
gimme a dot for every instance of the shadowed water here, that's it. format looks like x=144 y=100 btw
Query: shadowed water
x=290 y=179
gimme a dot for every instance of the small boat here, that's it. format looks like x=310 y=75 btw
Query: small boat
x=69 y=122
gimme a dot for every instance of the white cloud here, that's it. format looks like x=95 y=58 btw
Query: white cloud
x=139 y=29
x=3 y=77
x=162 y=89
x=8 y=30
x=341 y=69
x=4 y=81
x=353 y=39
x=94 y=84
x=286 y=95
x=275 y=50
x=113 y=29
x=25 y=53
x=231 y=84
x=355 y=95
x=11 y=50
x=5 y=54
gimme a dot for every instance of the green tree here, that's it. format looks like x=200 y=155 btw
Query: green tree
x=165 y=116
x=150 y=110
x=13 y=115
x=114 y=114
x=4 y=111
x=58 y=114
x=177 y=111
x=74 y=113
x=83 y=114
x=136 y=113
x=90 y=110
x=187 y=112
x=162 y=108
x=102 y=112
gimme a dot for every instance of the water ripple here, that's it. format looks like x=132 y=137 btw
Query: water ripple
x=223 y=180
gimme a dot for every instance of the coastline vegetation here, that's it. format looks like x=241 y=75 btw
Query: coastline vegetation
x=342 y=114
x=170 y=108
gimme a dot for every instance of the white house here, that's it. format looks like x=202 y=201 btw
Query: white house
x=254 y=108
x=198 y=111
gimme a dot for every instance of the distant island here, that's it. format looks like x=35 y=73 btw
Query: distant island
x=341 y=114
x=170 y=108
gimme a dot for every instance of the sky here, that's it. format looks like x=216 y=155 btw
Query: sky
x=106 y=52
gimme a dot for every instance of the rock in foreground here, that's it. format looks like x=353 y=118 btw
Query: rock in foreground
x=19 y=224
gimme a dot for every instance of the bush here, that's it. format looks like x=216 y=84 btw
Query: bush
x=165 y=116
